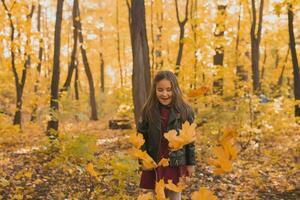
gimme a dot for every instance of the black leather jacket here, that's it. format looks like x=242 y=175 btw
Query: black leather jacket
x=152 y=136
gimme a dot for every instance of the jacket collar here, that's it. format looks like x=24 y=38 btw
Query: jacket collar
x=173 y=116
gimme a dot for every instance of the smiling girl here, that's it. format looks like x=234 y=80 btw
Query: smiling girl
x=165 y=110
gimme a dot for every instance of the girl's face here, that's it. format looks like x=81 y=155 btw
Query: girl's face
x=164 y=92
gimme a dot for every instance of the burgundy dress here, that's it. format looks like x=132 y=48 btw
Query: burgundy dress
x=148 y=177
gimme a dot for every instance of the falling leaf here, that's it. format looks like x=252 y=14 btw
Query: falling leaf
x=186 y=135
x=225 y=153
x=176 y=188
x=137 y=140
x=203 y=194
x=147 y=196
x=147 y=161
x=160 y=190
x=228 y=134
x=90 y=169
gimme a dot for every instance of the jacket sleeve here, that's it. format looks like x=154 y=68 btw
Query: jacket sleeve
x=142 y=127
x=190 y=148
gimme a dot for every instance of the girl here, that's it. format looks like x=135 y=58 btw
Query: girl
x=165 y=110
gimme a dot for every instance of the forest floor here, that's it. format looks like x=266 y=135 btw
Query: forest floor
x=268 y=168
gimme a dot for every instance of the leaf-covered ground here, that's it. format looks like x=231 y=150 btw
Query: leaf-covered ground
x=266 y=168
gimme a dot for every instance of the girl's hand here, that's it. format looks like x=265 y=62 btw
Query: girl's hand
x=190 y=169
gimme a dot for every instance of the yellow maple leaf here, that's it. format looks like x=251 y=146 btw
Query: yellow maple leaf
x=163 y=162
x=176 y=188
x=188 y=132
x=230 y=149
x=147 y=161
x=222 y=163
x=147 y=196
x=186 y=135
x=160 y=190
x=175 y=142
x=90 y=169
x=203 y=194
x=137 y=140
x=228 y=134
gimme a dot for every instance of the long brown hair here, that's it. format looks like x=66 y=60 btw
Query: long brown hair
x=177 y=101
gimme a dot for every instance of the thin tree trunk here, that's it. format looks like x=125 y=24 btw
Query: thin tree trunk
x=152 y=41
x=102 y=72
x=102 y=75
x=39 y=65
x=294 y=59
x=255 y=42
x=219 y=49
x=263 y=66
x=240 y=71
x=19 y=85
x=140 y=53
x=158 y=52
x=280 y=79
x=130 y=20
x=181 y=34
x=53 y=122
x=194 y=27
x=94 y=115
x=76 y=80
x=118 y=43
x=74 y=50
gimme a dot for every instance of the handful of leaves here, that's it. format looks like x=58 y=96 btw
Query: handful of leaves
x=148 y=163
x=186 y=135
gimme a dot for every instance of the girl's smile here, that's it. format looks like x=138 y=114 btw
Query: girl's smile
x=164 y=92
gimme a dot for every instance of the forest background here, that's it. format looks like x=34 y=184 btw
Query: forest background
x=70 y=68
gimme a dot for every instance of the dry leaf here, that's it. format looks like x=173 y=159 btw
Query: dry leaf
x=203 y=194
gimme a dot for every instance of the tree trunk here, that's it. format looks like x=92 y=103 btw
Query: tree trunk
x=263 y=69
x=118 y=43
x=194 y=28
x=140 y=53
x=94 y=115
x=53 y=122
x=76 y=80
x=280 y=79
x=219 y=55
x=74 y=50
x=241 y=73
x=102 y=72
x=181 y=34
x=152 y=41
x=294 y=59
x=39 y=65
x=19 y=85
x=255 y=42
x=158 y=49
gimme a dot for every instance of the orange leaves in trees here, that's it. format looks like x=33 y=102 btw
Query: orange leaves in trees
x=186 y=135
x=225 y=153
x=198 y=92
x=203 y=194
